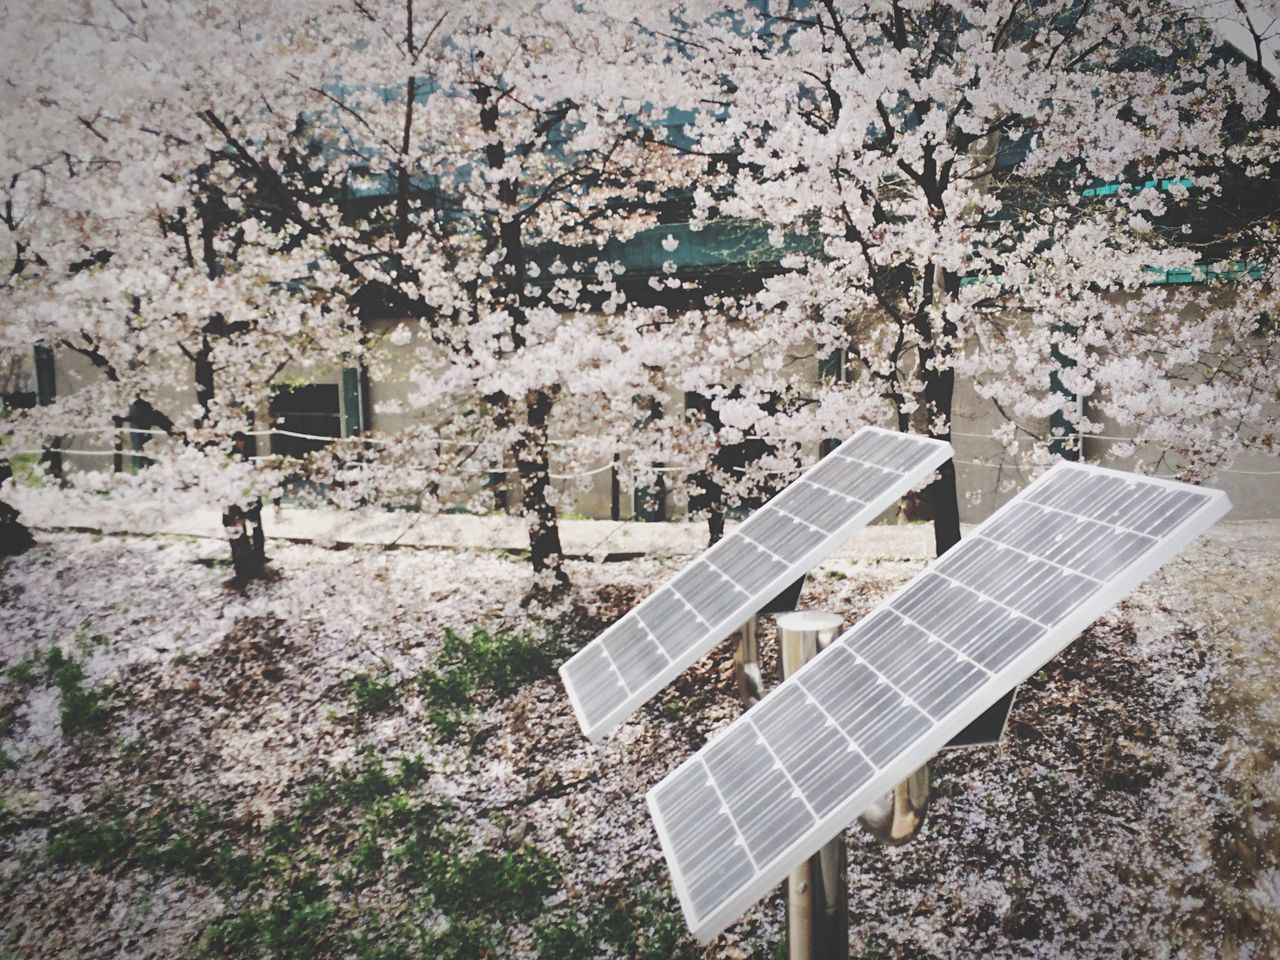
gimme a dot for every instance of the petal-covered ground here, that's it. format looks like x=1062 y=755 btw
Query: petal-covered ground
x=370 y=756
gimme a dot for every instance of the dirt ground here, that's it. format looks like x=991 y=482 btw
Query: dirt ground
x=287 y=772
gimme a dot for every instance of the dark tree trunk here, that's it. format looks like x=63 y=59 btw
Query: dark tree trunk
x=534 y=466
x=939 y=393
x=245 y=534
x=243 y=524
x=245 y=559
x=946 y=506
x=532 y=460
x=254 y=518
x=244 y=529
x=204 y=375
x=15 y=538
x=715 y=527
x=916 y=506
x=934 y=355
x=615 y=492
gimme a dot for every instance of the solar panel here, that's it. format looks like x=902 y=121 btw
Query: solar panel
x=632 y=660
x=798 y=767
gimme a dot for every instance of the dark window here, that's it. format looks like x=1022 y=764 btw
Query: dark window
x=310 y=408
x=18 y=400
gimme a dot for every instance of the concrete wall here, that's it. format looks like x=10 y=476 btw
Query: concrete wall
x=987 y=478
x=72 y=373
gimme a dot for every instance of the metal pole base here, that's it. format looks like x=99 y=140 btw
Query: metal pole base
x=818 y=891
x=818 y=906
x=898 y=816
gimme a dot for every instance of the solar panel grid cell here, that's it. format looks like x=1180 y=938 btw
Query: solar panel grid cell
x=901 y=682
x=814 y=506
x=781 y=535
x=824 y=766
x=634 y=652
x=595 y=678
x=746 y=564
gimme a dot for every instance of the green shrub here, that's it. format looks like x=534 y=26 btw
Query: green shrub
x=508 y=886
x=83 y=839
x=26 y=672
x=294 y=923
x=82 y=710
x=565 y=939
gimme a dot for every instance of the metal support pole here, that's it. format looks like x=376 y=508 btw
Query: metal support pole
x=746 y=663
x=817 y=892
x=898 y=816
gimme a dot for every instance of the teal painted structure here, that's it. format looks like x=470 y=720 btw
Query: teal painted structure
x=1206 y=272
x=1110 y=189
x=718 y=243
x=355 y=401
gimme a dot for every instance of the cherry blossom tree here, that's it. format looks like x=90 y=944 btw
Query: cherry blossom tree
x=198 y=199
x=511 y=152
x=984 y=189
x=120 y=250
x=207 y=198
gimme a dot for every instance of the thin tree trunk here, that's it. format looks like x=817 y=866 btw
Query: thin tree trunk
x=933 y=356
x=940 y=501
x=244 y=534
x=715 y=527
x=534 y=466
x=256 y=536
x=946 y=506
x=916 y=506
x=244 y=528
x=243 y=524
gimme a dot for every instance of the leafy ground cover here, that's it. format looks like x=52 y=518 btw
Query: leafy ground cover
x=371 y=756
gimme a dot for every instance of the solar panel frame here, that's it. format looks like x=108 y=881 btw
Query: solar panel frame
x=936 y=736
x=936 y=453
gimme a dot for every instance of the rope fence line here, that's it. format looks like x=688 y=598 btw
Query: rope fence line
x=674 y=469
x=1066 y=436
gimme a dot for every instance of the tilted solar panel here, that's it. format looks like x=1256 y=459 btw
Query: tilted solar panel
x=614 y=674
x=799 y=767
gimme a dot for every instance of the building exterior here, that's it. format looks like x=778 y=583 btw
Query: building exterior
x=337 y=401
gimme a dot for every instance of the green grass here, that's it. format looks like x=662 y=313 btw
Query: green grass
x=297 y=888
x=642 y=927
x=369 y=862
x=165 y=841
x=476 y=670
x=26 y=672
x=674 y=708
x=372 y=695
x=26 y=470
x=82 y=710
